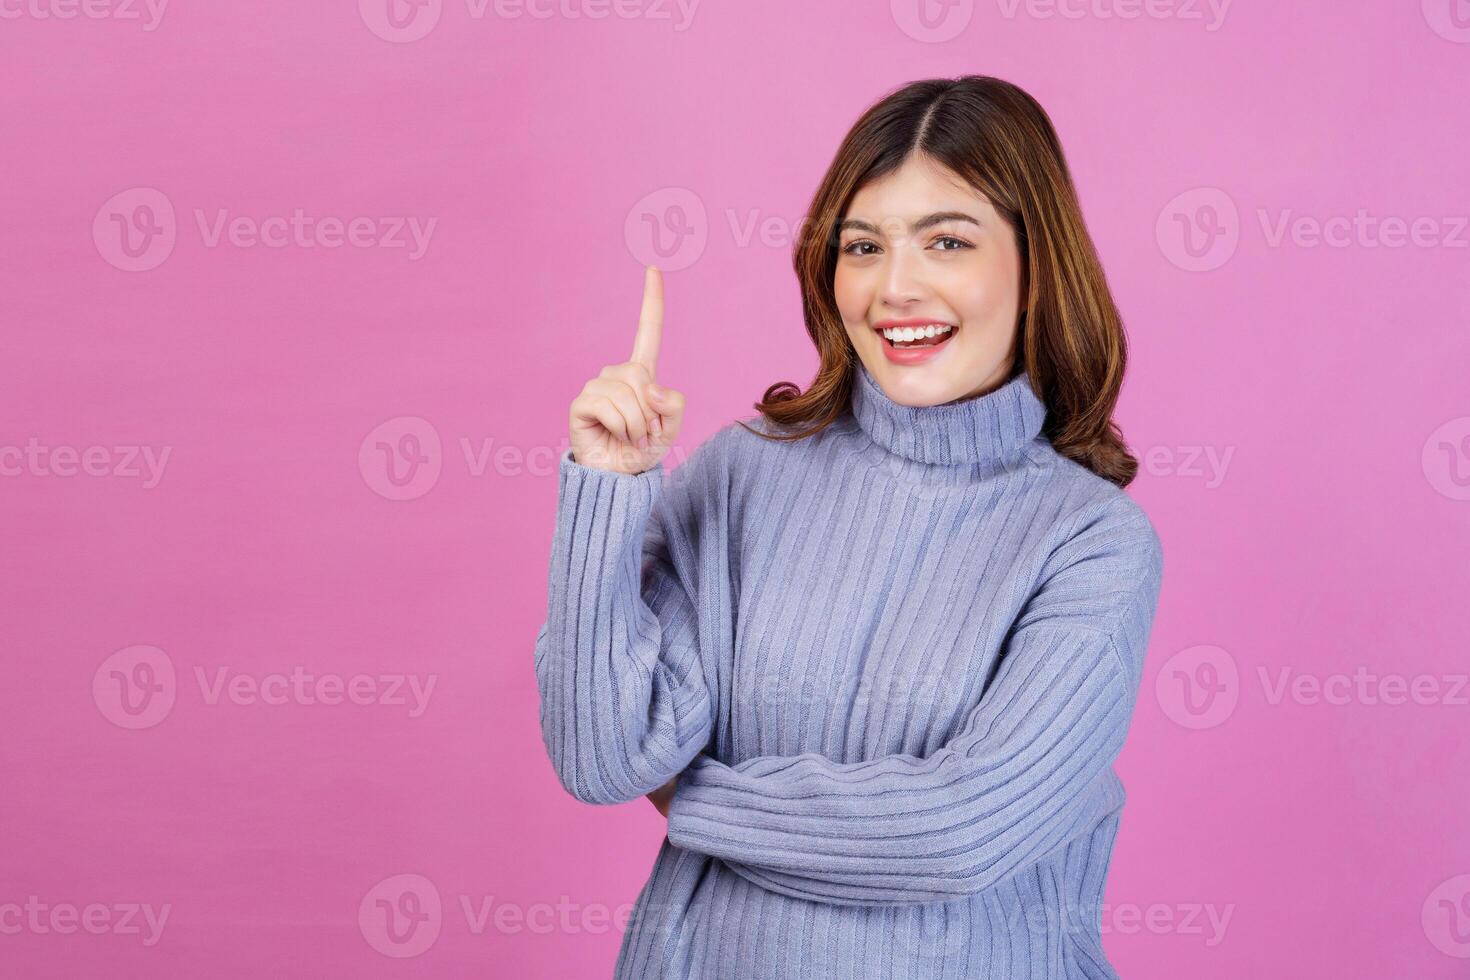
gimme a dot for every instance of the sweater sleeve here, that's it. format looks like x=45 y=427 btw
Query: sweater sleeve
x=1009 y=789
x=624 y=700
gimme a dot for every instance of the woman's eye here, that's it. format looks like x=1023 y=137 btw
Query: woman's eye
x=957 y=243
x=851 y=247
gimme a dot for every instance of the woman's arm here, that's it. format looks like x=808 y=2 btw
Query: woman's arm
x=1011 y=788
x=624 y=703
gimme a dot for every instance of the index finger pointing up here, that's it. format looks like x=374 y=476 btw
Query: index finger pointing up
x=650 y=320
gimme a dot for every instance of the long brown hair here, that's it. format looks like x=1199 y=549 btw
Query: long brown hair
x=1070 y=335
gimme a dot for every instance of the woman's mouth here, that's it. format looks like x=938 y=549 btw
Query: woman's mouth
x=913 y=341
x=927 y=335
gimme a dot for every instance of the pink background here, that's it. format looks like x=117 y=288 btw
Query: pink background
x=1267 y=834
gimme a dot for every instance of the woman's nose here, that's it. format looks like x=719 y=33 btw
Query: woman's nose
x=902 y=278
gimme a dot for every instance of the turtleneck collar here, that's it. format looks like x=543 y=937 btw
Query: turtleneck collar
x=987 y=428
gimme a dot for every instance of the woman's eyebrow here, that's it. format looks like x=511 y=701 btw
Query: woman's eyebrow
x=929 y=220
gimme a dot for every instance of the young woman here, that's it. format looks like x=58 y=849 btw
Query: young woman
x=874 y=651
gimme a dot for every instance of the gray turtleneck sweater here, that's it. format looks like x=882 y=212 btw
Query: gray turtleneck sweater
x=892 y=665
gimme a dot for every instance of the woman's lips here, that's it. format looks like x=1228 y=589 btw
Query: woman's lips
x=915 y=351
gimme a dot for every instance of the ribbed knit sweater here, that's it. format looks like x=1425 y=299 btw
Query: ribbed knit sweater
x=892 y=665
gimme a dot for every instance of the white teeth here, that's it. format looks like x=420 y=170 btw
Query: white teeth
x=914 y=333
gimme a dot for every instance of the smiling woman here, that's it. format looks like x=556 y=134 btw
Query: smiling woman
x=950 y=203
x=874 y=652
x=952 y=275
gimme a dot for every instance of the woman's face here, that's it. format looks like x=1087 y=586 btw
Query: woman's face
x=920 y=246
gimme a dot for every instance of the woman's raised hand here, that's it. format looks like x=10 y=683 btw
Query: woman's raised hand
x=623 y=421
